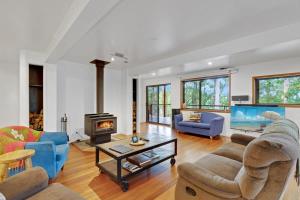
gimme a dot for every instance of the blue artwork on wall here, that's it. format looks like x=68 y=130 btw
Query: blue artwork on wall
x=251 y=117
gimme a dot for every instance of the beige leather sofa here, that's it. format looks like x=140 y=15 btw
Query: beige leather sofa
x=245 y=168
x=32 y=184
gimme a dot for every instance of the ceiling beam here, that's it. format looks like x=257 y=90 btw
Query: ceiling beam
x=256 y=41
x=81 y=17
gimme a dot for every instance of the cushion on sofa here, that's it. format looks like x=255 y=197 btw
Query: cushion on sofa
x=194 y=124
x=214 y=174
x=222 y=166
x=191 y=177
x=231 y=150
x=186 y=114
x=56 y=191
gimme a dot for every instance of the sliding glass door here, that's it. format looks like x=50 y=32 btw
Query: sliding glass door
x=159 y=104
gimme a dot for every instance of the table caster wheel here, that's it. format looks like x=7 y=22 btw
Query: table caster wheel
x=172 y=161
x=124 y=186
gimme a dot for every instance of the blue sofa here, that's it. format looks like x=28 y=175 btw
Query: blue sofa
x=51 y=152
x=210 y=124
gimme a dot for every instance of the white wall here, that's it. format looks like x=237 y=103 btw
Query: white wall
x=50 y=97
x=76 y=93
x=241 y=84
x=114 y=101
x=9 y=90
x=68 y=88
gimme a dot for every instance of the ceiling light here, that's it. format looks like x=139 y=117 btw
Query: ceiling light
x=153 y=73
x=118 y=55
x=210 y=63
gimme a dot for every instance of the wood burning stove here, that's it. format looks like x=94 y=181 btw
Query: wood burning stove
x=100 y=127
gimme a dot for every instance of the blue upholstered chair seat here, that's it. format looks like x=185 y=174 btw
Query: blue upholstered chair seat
x=194 y=124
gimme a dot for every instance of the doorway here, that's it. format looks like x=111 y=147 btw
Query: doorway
x=158 y=104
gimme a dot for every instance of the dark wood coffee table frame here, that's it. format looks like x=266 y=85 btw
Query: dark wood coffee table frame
x=114 y=169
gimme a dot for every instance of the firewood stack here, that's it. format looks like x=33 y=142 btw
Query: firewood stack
x=36 y=120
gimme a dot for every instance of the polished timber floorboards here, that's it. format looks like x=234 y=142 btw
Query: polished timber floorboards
x=81 y=175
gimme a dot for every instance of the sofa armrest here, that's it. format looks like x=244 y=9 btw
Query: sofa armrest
x=241 y=139
x=45 y=156
x=56 y=137
x=216 y=126
x=208 y=181
x=178 y=118
x=24 y=184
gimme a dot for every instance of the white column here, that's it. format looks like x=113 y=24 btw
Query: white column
x=50 y=98
x=126 y=101
x=24 y=90
x=139 y=104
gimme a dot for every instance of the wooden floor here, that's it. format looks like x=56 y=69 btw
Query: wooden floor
x=81 y=175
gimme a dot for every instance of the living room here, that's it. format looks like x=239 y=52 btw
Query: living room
x=210 y=81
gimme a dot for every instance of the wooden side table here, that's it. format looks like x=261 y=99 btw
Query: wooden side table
x=12 y=157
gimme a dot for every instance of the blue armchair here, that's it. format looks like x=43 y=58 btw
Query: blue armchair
x=210 y=124
x=51 y=152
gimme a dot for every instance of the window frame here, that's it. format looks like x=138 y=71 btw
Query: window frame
x=164 y=102
x=255 y=88
x=201 y=79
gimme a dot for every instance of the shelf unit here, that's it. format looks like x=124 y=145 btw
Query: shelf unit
x=36 y=118
x=134 y=105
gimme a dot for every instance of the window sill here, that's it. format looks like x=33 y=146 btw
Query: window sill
x=206 y=110
x=281 y=105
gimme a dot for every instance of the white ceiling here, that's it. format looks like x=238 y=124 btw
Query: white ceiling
x=146 y=31
x=161 y=36
x=274 y=52
x=28 y=24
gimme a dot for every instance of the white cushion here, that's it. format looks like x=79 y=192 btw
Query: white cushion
x=186 y=114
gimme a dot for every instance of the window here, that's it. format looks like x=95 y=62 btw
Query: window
x=207 y=93
x=158 y=102
x=282 y=89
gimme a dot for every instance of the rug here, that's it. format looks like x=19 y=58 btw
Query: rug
x=85 y=147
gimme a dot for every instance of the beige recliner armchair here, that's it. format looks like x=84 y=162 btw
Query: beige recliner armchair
x=246 y=168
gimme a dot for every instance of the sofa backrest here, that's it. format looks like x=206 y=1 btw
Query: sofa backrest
x=206 y=117
x=267 y=162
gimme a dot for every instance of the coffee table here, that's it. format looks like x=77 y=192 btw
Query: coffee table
x=113 y=167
